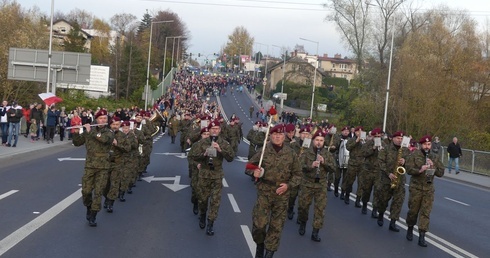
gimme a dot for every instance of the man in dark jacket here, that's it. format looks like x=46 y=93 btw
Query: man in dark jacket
x=38 y=115
x=454 y=151
x=14 y=114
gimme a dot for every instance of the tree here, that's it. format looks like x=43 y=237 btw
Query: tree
x=239 y=42
x=99 y=46
x=352 y=20
x=83 y=18
x=75 y=41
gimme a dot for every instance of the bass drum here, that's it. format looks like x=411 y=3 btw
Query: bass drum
x=343 y=155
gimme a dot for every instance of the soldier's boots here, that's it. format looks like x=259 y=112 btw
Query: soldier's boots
x=268 y=253
x=342 y=195
x=380 y=219
x=336 y=190
x=358 y=202
x=140 y=174
x=106 y=201
x=110 y=206
x=195 y=209
x=173 y=139
x=202 y=221
x=121 y=196
x=314 y=235
x=422 y=239
x=290 y=213
x=364 y=208
x=130 y=189
x=329 y=187
x=302 y=228
x=89 y=211
x=410 y=233
x=346 y=198
x=210 y=230
x=374 y=213
x=393 y=226
x=92 y=220
x=259 y=251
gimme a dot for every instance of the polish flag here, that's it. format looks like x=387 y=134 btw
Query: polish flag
x=49 y=98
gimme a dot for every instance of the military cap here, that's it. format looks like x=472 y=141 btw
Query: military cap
x=319 y=133
x=375 y=131
x=345 y=128
x=101 y=112
x=258 y=123
x=359 y=128
x=399 y=133
x=289 y=128
x=426 y=138
x=305 y=129
x=277 y=129
x=125 y=123
x=115 y=119
x=142 y=113
x=214 y=124
x=204 y=130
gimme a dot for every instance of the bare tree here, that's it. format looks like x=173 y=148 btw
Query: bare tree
x=352 y=19
x=239 y=42
x=84 y=18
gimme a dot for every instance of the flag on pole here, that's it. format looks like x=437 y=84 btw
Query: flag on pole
x=49 y=98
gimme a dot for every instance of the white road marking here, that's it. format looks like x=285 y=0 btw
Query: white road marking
x=36 y=212
x=248 y=237
x=23 y=232
x=225 y=184
x=465 y=204
x=234 y=204
x=7 y=194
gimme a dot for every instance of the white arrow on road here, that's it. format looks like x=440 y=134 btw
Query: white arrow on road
x=176 y=186
x=241 y=159
x=176 y=154
x=70 y=158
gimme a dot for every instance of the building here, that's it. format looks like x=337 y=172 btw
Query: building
x=298 y=70
x=61 y=30
x=338 y=67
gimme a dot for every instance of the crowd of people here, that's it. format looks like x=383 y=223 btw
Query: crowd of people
x=292 y=162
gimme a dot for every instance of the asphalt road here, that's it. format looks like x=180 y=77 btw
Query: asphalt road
x=42 y=215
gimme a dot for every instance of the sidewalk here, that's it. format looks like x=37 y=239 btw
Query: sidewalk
x=25 y=146
x=469 y=178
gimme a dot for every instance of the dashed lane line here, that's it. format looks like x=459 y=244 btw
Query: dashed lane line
x=462 y=203
x=225 y=184
x=248 y=237
x=234 y=204
x=7 y=194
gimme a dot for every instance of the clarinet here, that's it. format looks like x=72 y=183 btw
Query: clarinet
x=210 y=161
x=428 y=177
x=317 y=175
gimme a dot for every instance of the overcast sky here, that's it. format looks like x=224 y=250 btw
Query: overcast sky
x=278 y=22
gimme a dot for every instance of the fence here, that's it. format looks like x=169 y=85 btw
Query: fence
x=473 y=161
x=162 y=87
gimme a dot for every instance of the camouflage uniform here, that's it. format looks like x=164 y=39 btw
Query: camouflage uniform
x=122 y=157
x=256 y=143
x=138 y=158
x=370 y=176
x=339 y=172
x=314 y=186
x=331 y=140
x=173 y=128
x=98 y=143
x=388 y=162
x=184 y=127
x=296 y=145
x=356 y=159
x=269 y=212
x=129 y=163
x=193 y=171
x=211 y=174
x=252 y=146
x=421 y=193
x=148 y=129
x=233 y=136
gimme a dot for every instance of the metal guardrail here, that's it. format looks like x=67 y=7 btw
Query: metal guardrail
x=473 y=161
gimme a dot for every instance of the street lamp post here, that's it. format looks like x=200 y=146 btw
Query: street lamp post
x=283 y=75
x=148 y=68
x=314 y=79
x=265 y=71
x=165 y=57
x=389 y=78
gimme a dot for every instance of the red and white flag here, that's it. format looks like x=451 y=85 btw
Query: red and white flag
x=49 y=98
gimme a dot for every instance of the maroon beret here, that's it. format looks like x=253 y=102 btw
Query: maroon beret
x=375 y=131
x=305 y=129
x=330 y=126
x=399 y=133
x=289 y=128
x=277 y=129
x=345 y=128
x=319 y=133
x=214 y=123
x=101 y=112
x=125 y=123
x=258 y=123
x=359 y=128
x=141 y=113
x=426 y=138
x=204 y=130
x=115 y=119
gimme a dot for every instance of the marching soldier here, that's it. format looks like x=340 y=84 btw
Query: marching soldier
x=204 y=133
x=316 y=162
x=184 y=126
x=253 y=147
x=280 y=171
x=422 y=165
x=390 y=158
x=137 y=154
x=233 y=134
x=356 y=159
x=98 y=142
x=369 y=176
x=129 y=159
x=173 y=128
x=209 y=153
x=331 y=141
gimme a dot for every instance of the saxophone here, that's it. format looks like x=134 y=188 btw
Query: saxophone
x=399 y=170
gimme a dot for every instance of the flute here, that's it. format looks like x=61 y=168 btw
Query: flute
x=80 y=126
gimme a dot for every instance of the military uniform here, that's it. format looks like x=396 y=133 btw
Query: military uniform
x=314 y=186
x=210 y=176
x=356 y=159
x=130 y=164
x=232 y=135
x=388 y=162
x=369 y=176
x=98 y=143
x=269 y=212
x=421 y=190
x=173 y=128
x=184 y=127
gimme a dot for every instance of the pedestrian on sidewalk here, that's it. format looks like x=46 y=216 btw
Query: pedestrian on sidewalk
x=454 y=150
x=4 y=125
x=33 y=130
x=14 y=114
x=251 y=110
